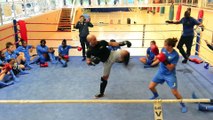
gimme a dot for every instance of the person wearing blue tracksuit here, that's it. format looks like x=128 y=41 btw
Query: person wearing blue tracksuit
x=45 y=53
x=168 y=59
x=63 y=52
x=25 y=48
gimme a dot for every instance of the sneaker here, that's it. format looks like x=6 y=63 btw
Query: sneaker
x=99 y=96
x=154 y=97
x=184 y=61
x=184 y=109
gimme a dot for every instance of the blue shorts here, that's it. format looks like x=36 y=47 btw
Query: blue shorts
x=149 y=62
x=171 y=79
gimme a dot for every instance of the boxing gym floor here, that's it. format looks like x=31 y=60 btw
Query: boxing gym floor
x=79 y=81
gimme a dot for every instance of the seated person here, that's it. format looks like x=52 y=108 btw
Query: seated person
x=113 y=48
x=45 y=54
x=11 y=53
x=16 y=69
x=26 y=49
x=4 y=70
x=63 y=52
x=2 y=59
x=150 y=59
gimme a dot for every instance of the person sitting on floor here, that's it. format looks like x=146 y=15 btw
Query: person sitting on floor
x=150 y=60
x=45 y=54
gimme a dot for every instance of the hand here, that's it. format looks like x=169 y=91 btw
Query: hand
x=7 y=67
x=51 y=50
x=88 y=61
x=162 y=58
x=169 y=21
x=129 y=44
x=206 y=41
x=79 y=48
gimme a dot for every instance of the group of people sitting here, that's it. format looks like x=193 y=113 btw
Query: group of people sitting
x=14 y=62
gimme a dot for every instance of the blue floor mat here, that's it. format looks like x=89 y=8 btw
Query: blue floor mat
x=80 y=81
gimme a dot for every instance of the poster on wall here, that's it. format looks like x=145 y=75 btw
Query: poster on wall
x=7 y=10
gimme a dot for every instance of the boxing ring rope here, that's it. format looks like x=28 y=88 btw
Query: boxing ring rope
x=6 y=28
x=56 y=39
x=119 y=101
x=124 y=6
x=157 y=104
x=8 y=36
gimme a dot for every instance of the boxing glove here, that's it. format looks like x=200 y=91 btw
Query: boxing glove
x=154 y=49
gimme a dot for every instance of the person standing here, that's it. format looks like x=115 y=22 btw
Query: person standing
x=83 y=26
x=187 y=35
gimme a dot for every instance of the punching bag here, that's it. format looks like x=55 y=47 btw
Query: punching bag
x=162 y=10
x=178 y=12
x=171 y=12
x=22 y=29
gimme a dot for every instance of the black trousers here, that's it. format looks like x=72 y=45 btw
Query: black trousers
x=187 y=40
x=84 y=43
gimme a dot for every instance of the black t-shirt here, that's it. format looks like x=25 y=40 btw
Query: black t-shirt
x=100 y=50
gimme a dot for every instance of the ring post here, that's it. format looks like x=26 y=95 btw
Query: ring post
x=15 y=32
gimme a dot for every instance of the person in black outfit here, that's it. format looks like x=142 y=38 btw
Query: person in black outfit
x=187 y=35
x=83 y=26
x=98 y=52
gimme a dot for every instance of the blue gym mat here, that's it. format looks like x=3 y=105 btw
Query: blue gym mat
x=80 y=81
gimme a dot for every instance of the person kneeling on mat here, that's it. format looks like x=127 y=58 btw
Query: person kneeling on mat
x=99 y=50
x=63 y=51
x=150 y=60
x=168 y=59
x=45 y=54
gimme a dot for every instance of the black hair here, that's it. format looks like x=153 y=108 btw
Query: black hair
x=22 y=41
x=43 y=41
x=153 y=42
x=189 y=9
x=112 y=40
x=187 y=14
x=171 y=41
x=64 y=41
x=8 y=44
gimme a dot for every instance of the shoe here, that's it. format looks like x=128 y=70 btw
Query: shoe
x=154 y=97
x=84 y=59
x=184 y=109
x=184 y=61
x=99 y=96
x=146 y=66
